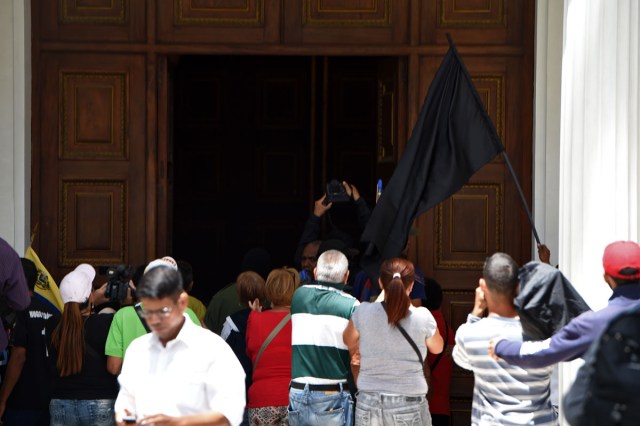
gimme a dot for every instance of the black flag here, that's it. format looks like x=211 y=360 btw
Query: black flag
x=451 y=140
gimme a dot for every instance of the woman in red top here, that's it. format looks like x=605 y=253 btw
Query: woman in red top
x=269 y=393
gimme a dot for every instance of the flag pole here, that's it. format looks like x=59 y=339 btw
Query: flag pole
x=522 y=199
x=34 y=232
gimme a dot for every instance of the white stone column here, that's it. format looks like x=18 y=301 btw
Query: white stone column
x=546 y=166
x=546 y=147
x=15 y=122
x=599 y=142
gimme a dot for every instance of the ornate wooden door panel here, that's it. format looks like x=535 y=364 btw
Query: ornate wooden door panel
x=219 y=21
x=92 y=154
x=362 y=22
x=96 y=20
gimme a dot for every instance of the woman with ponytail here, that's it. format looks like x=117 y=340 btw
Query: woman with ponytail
x=384 y=340
x=83 y=392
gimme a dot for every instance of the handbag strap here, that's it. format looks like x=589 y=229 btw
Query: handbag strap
x=411 y=342
x=270 y=337
x=444 y=348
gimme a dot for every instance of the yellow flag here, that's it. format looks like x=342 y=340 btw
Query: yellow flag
x=45 y=286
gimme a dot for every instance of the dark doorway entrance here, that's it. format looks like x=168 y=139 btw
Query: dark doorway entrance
x=256 y=139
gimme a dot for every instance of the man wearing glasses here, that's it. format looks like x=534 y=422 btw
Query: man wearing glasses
x=179 y=372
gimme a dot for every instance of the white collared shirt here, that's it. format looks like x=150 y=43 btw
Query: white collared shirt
x=195 y=373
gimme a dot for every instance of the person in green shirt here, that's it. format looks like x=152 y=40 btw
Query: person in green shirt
x=127 y=326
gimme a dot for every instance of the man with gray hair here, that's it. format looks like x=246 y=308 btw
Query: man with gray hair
x=320 y=363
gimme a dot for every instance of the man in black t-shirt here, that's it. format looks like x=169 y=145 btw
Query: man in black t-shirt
x=25 y=389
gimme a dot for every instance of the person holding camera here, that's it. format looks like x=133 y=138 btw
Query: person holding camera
x=309 y=243
x=128 y=325
x=83 y=392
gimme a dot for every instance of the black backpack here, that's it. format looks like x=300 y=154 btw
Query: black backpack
x=607 y=388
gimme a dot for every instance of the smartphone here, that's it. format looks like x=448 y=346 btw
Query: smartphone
x=130 y=420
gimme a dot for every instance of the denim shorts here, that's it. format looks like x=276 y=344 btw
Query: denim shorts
x=333 y=408
x=82 y=412
x=375 y=408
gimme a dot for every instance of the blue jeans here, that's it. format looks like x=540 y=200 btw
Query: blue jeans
x=82 y=412
x=375 y=408
x=320 y=408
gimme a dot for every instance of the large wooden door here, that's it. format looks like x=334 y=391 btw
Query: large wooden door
x=103 y=134
x=92 y=185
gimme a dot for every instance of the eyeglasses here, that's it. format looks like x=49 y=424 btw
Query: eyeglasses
x=160 y=313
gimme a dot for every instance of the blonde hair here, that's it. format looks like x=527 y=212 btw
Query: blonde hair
x=281 y=284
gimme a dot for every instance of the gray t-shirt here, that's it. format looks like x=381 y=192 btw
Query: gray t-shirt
x=388 y=363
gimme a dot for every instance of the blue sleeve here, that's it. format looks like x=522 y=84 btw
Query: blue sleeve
x=569 y=343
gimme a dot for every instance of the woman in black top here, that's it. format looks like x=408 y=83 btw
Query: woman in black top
x=83 y=391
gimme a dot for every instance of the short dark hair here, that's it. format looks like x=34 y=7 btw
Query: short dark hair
x=160 y=282
x=433 y=294
x=186 y=270
x=30 y=272
x=137 y=274
x=501 y=274
x=622 y=281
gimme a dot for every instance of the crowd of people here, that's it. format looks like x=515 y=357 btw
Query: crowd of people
x=284 y=345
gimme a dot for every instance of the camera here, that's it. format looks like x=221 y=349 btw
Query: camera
x=118 y=284
x=336 y=193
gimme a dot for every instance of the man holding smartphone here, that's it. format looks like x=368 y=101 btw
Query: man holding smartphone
x=179 y=373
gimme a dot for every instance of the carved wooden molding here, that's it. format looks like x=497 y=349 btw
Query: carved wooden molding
x=71 y=146
x=441 y=260
x=113 y=12
x=116 y=192
x=386 y=126
x=456 y=13
x=491 y=89
x=377 y=15
x=251 y=13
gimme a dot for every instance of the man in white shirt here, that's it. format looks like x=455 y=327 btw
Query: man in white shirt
x=178 y=373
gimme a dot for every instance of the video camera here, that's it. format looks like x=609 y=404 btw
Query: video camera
x=336 y=193
x=118 y=284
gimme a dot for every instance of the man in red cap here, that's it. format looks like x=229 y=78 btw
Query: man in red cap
x=621 y=263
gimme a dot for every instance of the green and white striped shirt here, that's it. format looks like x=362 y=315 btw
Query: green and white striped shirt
x=319 y=314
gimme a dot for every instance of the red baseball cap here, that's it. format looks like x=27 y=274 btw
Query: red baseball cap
x=621 y=259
